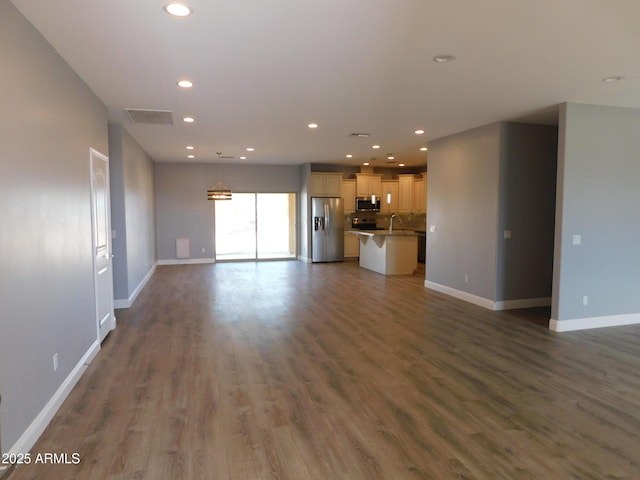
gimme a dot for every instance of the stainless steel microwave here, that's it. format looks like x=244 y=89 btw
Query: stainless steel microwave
x=367 y=204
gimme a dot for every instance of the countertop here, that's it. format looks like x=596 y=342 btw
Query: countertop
x=384 y=233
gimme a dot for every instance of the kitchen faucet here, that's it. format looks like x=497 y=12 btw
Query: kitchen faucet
x=391 y=222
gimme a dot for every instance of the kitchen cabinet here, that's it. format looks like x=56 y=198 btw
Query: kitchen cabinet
x=389 y=198
x=368 y=184
x=351 y=246
x=420 y=194
x=326 y=184
x=349 y=195
x=406 y=185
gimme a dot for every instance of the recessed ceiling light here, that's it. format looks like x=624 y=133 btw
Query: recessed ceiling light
x=188 y=119
x=250 y=149
x=401 y=164
x=390 y=157
x=191 y=156
x=313 y=125
x=445 y=58
x=423 y=149
x=615 y=78
x=348 y=155
x=177 y=9
x=366 y=164
x=243 y=158
x=419 y=132
x=375 y=146
x=189 y=147
x=185 y=83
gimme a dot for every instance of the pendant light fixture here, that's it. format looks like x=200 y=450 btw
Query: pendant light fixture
x=220 y=191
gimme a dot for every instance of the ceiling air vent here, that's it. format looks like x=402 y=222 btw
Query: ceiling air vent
x=359 y=135
x=153 y=117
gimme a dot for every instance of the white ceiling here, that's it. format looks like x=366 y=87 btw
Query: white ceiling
x=264 y=69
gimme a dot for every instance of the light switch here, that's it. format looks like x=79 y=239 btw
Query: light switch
x=577 y=239
x=432 y=228
x=507 y=234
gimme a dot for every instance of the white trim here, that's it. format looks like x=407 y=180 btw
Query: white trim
x=304 y=259
x=30 y=436
x=127 y=302
x=593 y=322
x=462 y=295
x=186 y=261
x=523 y=303
x=485 y=302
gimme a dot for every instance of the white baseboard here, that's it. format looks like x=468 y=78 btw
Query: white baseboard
x=487 y=303
x=126 y=303
x=523 y=303
x=186 y=261
x=462 y=295
x=304 y=259
x=593 y=322
x=28 y=439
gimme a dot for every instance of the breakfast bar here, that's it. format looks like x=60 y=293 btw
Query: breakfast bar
x=388 y=252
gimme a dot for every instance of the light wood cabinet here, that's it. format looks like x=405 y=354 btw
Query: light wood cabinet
x=349 y=195
x=389 y=193
x=326 y=185
x=368 y=184
x=405 y=193
x=351 y=245
x=420 y=194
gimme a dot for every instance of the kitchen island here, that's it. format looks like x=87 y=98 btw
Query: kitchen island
x=388 y=253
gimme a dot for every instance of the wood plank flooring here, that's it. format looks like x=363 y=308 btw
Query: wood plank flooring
x=290 y=371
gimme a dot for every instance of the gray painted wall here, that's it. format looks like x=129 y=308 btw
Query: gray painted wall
x=305 y=212
x=463 y=206
x=599 y=199
x=49 y=121
x=132 y=212
x=527 y=208
x=482 y=182
x=182 y=208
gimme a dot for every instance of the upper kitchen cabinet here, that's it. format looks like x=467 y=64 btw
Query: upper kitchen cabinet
x=389 y=198
x=420 y=194
x=368 y=184
x=349 y=195
x=326 y=184
x=406 y=186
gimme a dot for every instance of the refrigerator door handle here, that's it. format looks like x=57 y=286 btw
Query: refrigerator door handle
x=326 y=216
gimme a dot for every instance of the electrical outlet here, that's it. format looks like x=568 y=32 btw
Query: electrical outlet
x=585 y=301
x=466 y=278
x=507 y=234
x=577 y=239
x=203 y=250
x=55 y=362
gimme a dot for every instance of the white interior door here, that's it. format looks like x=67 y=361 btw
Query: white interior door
x=102 y=257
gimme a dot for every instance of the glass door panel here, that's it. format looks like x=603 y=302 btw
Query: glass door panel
x=276 y=225
x=235 y=227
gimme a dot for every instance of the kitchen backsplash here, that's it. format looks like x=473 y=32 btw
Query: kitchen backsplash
x=408 y=221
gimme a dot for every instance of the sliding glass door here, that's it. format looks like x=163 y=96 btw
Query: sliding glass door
x=254 y=226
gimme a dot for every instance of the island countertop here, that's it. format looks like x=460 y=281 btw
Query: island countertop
x=384 y=233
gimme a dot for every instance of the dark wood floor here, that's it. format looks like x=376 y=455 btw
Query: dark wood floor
x=284 y=370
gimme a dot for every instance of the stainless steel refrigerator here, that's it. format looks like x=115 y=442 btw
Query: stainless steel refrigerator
x=327 y=229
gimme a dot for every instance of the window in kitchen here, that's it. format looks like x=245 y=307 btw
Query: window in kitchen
x=254 y=226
